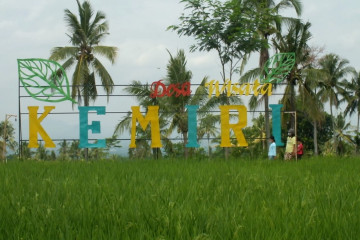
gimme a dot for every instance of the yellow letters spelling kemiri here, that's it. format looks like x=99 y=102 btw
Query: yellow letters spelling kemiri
x=35 y=127
x=238 y=89
x=152 y=117
x=226 y=126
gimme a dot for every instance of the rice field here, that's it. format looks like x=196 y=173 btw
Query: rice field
x=317 y=198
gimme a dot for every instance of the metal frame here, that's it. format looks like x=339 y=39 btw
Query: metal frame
x=20 y=97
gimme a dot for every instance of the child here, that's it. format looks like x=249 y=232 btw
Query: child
x=272 y=148
x=300 y=149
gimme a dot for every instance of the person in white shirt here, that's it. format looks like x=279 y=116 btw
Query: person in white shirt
x=272 y=148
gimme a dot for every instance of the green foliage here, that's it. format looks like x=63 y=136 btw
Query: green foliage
x=86 y=33
x=342 y=140
x=305 y=131
x=331 y=87
x=11 y=142
x=26 y=153
x=270 y=22
x=173 y=115
x=42 y=153
x=10 y=131
x=352 y=97
x=64 y=151
x=229 y=28
x=180 y=199
x=296 y=41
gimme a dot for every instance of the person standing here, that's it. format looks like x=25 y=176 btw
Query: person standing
x=300 y=149
x=272 y=148
x=290 y=149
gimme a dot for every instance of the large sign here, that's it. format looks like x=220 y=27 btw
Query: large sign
x=46 y=80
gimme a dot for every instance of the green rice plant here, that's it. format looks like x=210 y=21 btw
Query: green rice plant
x=317 y=198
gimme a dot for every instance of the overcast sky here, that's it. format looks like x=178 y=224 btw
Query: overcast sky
x=29 y=29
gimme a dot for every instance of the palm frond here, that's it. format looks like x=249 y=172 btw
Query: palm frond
x=97 y=19
x=62 y=53
x=77 y=34
x=124 y=124
x=110 y=53
x=295 y=4
x=98 y=33
x=81 y=71
x=201 y=93
x=106 y=80
x=251 y=75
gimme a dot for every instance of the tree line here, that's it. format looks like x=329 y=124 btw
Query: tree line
x=236 y=30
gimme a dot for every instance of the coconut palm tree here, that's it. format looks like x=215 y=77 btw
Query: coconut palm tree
x=142 y=93
x=86 y=33
x=9 y=137
x=260 y=131
x=75 y=153
x=353 y=97
x=42 y=153
x=295 y=41
x=332 y=86
x=64 y=150
x=309 y=103
x=143 y=136
x=208 y=128
x=26 y=153
x=271 y=22
x=308 y=100
x=342 y=136
x=177 y=73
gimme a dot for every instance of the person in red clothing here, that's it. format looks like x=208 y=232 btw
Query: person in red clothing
x=300 y=149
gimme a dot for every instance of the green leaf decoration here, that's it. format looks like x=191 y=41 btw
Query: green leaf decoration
x=44 y=80
x=278 y=67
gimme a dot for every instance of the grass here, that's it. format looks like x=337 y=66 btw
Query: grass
x=315 y=198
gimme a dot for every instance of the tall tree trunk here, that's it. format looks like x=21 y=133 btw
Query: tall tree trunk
x=156 y=152
x=357 y=133
x=226 y=150
x=186 y=152
x=267 y=120
x=332 y=124
x=264 y=56
x=209 y=148
x=292 y=105
x=316 y=151
x=86 y=104
x=331 y=114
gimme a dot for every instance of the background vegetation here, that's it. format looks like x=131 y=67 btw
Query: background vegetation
x=316 y=85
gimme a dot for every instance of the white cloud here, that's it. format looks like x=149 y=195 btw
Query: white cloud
x=204 y=59
x=152 y=56
x=6 y=25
